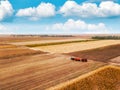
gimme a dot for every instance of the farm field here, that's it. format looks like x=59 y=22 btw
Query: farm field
x=9 y=51
x=39 y=68
x=72 y=47
x=64 y=45
x=41 y=71
x=115 y=61
x=4 y=46
x=104 y=78
x=47 y=41
x=103 y=54
x=29 y=38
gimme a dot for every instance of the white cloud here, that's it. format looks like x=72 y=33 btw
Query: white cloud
x=34 y=13
x=79 y=25
x=5 y=9
x=105 y=9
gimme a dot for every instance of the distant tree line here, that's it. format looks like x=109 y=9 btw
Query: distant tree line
x=106 y=37
x=56 y=35
x=42 y=35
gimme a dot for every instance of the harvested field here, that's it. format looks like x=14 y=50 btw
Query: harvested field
x=58 y=43
x=72 y=47
x=3 y=46
x=103 y=54
x=15 y=52
x=39 y=72
x=11 y=39
x=26 y=68
x=32 y=43
x=23 y=39
x=105 y=78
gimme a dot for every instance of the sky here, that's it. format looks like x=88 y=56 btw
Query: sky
x=59 y=16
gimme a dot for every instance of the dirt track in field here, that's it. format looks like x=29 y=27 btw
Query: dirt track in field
x=72 y=47
x=103 y=54
x=41 y=71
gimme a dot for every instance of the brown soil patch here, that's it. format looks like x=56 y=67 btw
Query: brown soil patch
x=103 y=54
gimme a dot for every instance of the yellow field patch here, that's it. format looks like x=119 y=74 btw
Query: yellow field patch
x=72 y=47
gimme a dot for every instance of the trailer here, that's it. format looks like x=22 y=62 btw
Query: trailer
x=79 y=59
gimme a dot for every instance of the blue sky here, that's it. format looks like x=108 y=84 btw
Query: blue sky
x=59 y=16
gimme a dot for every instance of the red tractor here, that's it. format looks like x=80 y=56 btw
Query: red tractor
x=79 y=59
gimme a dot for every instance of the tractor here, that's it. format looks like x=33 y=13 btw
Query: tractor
x=79 y=59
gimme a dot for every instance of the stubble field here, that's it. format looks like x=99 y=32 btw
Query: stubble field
x=41 y=71
x=72 y=47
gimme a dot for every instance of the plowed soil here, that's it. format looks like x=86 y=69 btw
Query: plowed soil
x=103 y=54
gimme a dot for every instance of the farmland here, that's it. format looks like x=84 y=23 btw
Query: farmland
x=115 y=61
x=47 y=64
x=41 y=71
x=105 y=78
x=98 y=53
x=72 y=47
x=4 y=46
x=9 y=51
x=37 y=38
x=15 y=52
x=49 y=42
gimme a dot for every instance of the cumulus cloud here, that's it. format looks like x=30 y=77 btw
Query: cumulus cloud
x=34 y=13
x=105 y=9
x=5 y=9
x=79 y=25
